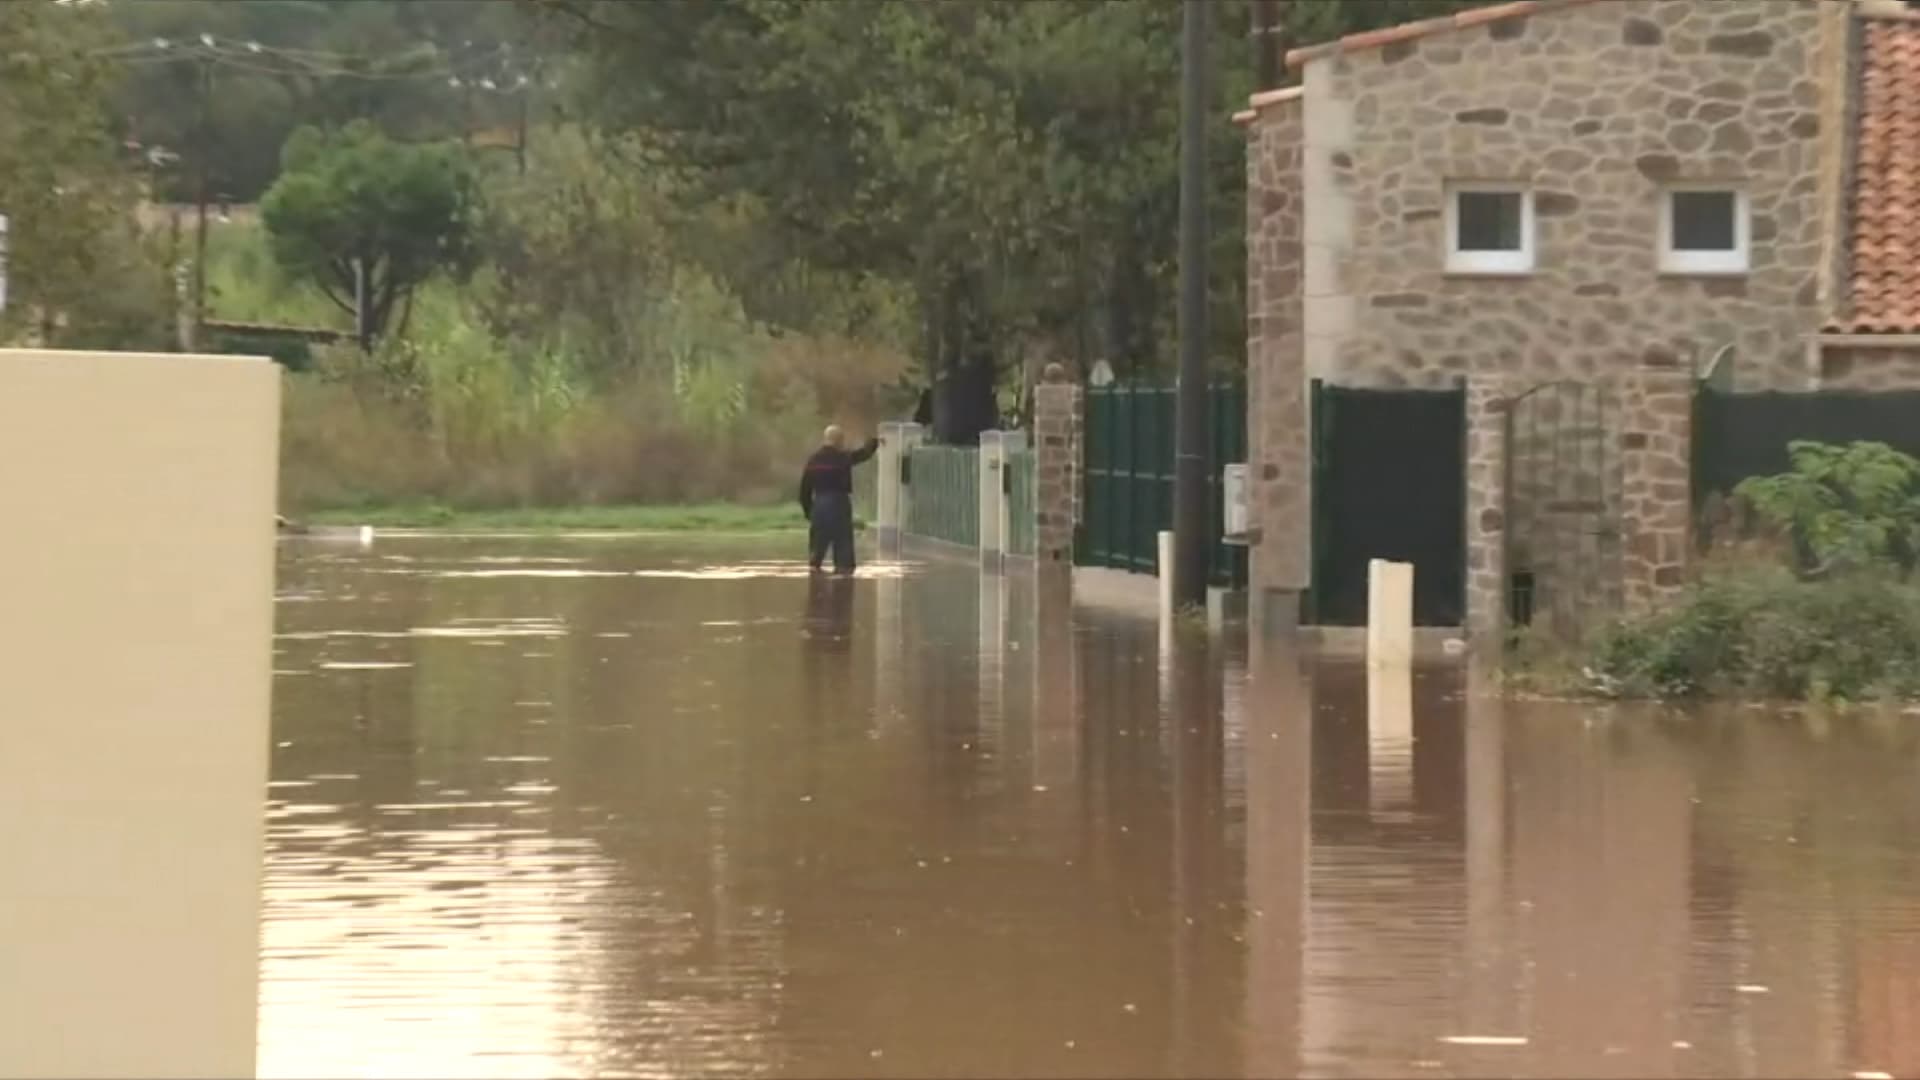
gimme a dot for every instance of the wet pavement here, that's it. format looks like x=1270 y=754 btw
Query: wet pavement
x=596 y=806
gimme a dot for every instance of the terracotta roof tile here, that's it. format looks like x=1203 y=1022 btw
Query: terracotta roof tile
x=1883 y=294
x=1460 y=20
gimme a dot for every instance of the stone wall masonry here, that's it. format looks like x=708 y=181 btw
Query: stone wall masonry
x=1656 y=450
x=1057 y=420
x=1596 y=108
x=1487 y=399
x=1277 y=418
x=1875 y=368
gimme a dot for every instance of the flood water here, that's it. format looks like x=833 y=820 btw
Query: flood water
x=597 y=806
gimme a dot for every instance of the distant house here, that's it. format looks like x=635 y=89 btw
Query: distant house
x=1581 y=192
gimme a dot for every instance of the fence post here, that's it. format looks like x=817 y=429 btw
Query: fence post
x=992 y=466
x=1009 y=444
x=1057 y=467
x=891 y=495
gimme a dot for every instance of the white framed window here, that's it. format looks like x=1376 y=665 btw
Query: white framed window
x=1489 y=229
x=1704 y=229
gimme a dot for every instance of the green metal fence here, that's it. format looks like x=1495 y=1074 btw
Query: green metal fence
x=943 y=494
x=1020 y=504
x=1738 y=436
x=1129 y=476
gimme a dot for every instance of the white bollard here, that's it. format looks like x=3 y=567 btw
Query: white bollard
x=992 y=463
x=1389 y=613
x=1166 y=574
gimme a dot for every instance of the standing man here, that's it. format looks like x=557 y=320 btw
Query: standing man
x=826 y=497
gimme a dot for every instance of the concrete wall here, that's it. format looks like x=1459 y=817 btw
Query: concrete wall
x=137 y=567
x=1594 y=107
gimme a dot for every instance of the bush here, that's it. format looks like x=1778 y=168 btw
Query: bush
x=1748 y=631
x=1843 y=506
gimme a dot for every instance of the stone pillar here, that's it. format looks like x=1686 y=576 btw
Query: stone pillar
x=1057 y=413
x=1278 y=455
x=1656 y=483
x=897 y=440
x=137 y=566
x=1487 y=403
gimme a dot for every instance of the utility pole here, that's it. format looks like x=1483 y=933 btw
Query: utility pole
x=1261 y=15
x=1190 y=539
x=201 y=153
x=362 y=318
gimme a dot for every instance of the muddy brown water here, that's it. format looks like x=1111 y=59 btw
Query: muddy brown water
x=599 y=806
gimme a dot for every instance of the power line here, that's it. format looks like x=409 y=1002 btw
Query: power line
x=256 y=57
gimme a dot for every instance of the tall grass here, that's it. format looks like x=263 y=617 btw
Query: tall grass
x=456 y=415
x=615 y=348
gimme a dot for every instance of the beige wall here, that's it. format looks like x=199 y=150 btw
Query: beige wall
x=1594 y=107
x=136 y=566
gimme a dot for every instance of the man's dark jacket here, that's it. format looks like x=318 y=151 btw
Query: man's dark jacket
x=830 y=472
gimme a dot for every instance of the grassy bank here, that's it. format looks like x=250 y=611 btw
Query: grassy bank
x=707 y=517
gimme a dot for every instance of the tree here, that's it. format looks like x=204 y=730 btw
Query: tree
x=421 y=69
x=368 y=219
x=1013 y=161
x=78 y=265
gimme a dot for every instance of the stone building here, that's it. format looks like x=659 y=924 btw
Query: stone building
x=1568 y=211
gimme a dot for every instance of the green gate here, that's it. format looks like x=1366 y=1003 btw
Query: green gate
x=1128 y=476
x=1020 y=505
x=1389 y=482
x=943 y=494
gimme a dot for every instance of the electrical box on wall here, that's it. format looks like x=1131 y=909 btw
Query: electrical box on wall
x=1233 y=500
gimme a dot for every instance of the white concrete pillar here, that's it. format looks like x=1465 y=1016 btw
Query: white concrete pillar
x=1011 y=443
x=1166 y=556
x=1390 y=685
x=897 y=440
x=993 y=499
x=136 y=631
x=1389 y=613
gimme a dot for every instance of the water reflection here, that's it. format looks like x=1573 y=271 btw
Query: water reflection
x=929 y=823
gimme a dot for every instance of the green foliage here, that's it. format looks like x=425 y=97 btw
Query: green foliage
x=1763 y=632
x=355 y=198
x=419 y=69
x=79 y=271
x=1845 y=506
x=246 y=284
x=1014 y=163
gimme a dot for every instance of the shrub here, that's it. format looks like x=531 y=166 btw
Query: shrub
x=1750 y=631
x=1844 y=506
